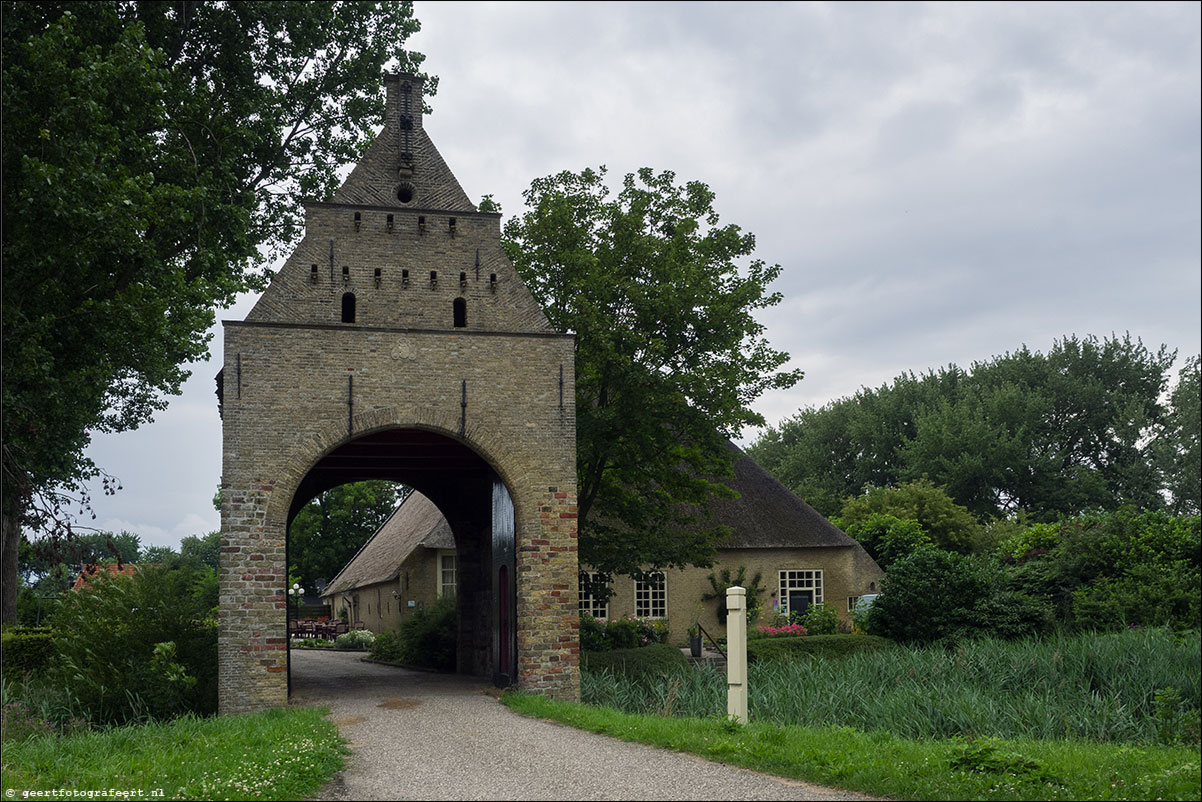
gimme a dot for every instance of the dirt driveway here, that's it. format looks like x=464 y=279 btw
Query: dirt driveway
x=428 y=736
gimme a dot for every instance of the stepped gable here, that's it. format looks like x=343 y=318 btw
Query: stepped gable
x=400 y=246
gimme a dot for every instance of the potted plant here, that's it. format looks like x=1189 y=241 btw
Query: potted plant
x=695 y=639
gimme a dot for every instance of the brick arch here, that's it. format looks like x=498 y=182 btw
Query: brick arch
x=309 y=451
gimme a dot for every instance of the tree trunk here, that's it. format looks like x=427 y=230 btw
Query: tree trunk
x=10 y=521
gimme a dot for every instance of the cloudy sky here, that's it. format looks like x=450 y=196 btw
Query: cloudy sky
x=941 y=183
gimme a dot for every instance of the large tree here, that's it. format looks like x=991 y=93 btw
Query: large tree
x=1179 y=450
x=1052 y=434
x=669 y=356
x=153 y=152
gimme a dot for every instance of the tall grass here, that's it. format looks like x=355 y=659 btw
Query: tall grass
x=1093 y=687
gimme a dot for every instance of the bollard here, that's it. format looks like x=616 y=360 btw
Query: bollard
x=736 y=653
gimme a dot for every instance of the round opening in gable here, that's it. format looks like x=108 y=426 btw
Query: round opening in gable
x=405 y=192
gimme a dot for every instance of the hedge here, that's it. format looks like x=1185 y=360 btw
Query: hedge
x=655 y=660
x=813 y=645
x=26 y=649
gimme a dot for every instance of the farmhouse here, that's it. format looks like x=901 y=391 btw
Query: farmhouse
x=801 y=557
x=408 y=563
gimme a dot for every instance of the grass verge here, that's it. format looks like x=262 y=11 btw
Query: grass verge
x=279 y=754
x=881 y=764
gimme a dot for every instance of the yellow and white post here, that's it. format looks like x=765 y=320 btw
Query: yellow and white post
x=736 y=653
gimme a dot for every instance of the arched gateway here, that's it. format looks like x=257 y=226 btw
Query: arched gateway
x=397 y=342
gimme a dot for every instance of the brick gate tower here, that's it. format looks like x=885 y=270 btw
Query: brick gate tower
x=397 y=342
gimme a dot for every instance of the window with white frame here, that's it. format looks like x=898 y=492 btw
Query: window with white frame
x=651 y=596
x=851 y=602
x=593 y=603
x=798 y=590
x=448 y=579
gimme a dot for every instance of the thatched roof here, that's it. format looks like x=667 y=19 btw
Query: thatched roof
x=767 y=515
x=416 y=523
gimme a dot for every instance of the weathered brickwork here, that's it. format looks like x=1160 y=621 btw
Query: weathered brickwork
x=466 y=355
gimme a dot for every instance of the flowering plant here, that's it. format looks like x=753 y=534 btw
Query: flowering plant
x=788 y=630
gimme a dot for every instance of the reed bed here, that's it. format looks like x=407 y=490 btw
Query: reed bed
x=1096 y=687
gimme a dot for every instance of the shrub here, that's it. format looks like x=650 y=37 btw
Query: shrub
x=1006 y=614
x=937 y=595
x=1032 y=541
x=782 y=631
x=653 y=630
x=924 y=597
x=600 y=635
x=814 y=646
x=592 y=634
x=821 y=619
x=648 y=662
x=26 y=649
x=1108 y=570
x=428 y=638
x=1146 y=596
x=1174 y=720
x=132 y=648
x=387 y=646
x=167 y=683
x=355 y=639
x=622 y=633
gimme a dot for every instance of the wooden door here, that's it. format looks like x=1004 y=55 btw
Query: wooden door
x=504 y=590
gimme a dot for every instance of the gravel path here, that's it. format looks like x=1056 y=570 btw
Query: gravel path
x=428 y=736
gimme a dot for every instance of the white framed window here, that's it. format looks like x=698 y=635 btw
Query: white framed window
x=651 y=596
x=851 y=602
x=799 y=589
x=448 y=574
x=591 y=604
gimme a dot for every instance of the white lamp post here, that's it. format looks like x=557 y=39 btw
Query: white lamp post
x=297 y=594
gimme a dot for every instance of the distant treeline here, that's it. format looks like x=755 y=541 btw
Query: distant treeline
x=1091 y=425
